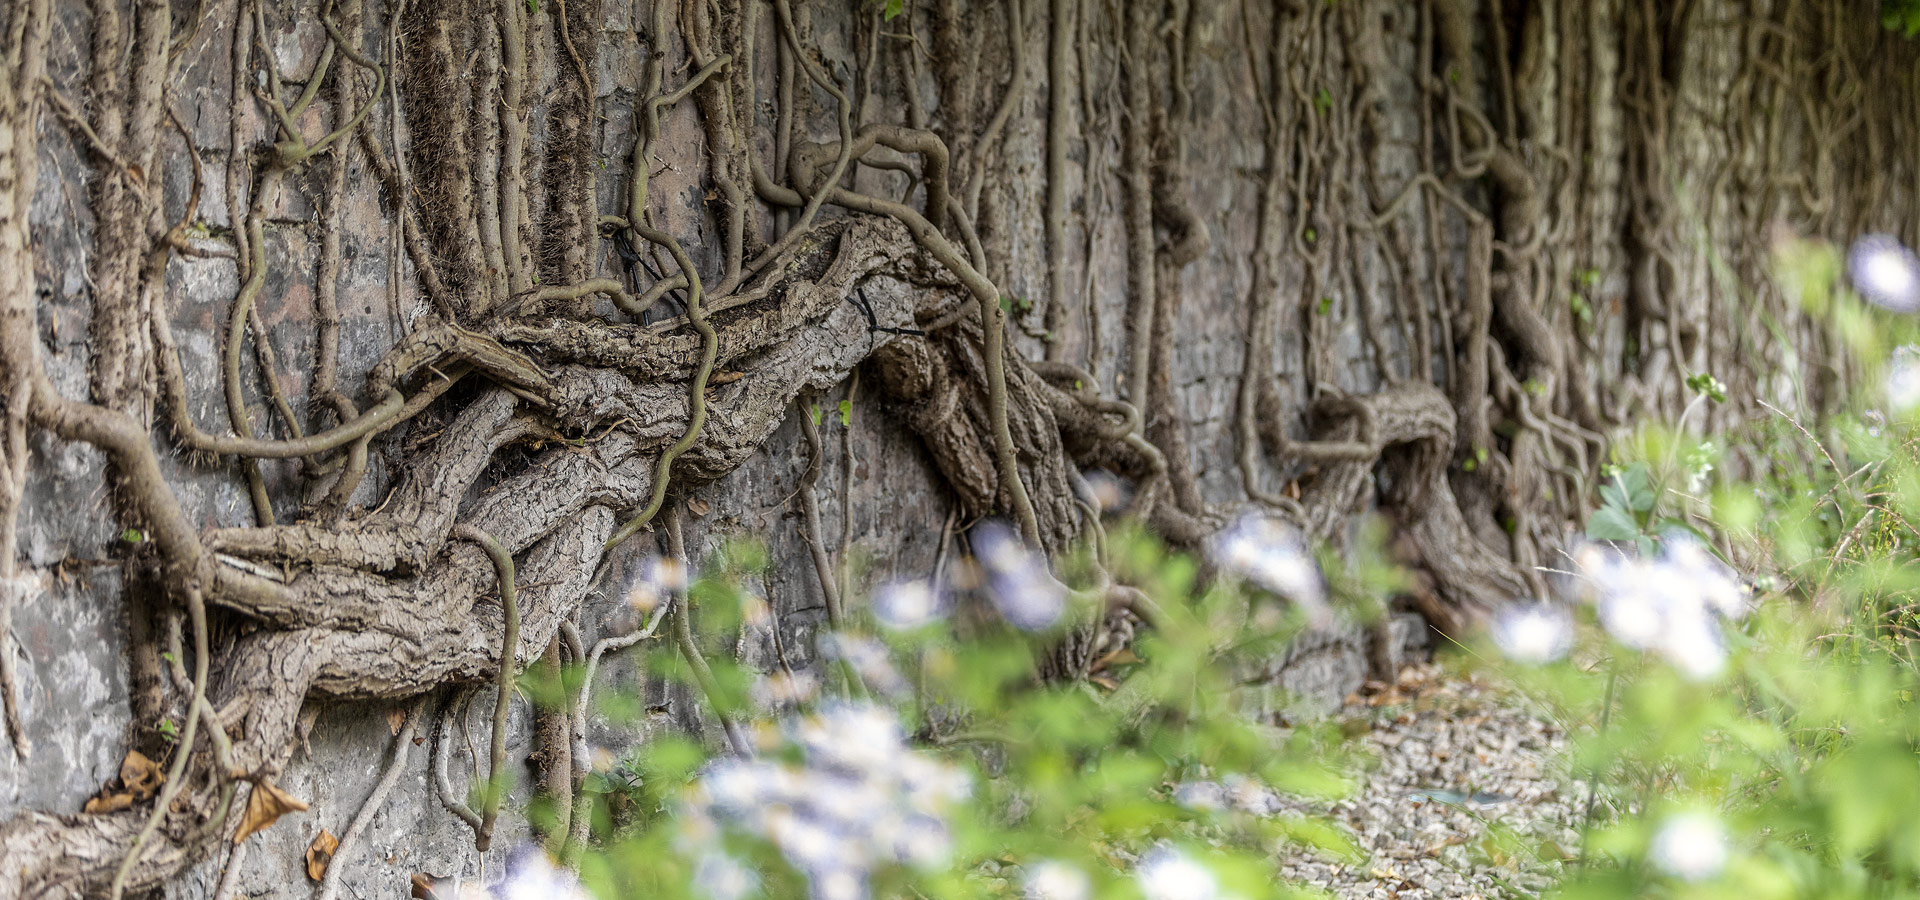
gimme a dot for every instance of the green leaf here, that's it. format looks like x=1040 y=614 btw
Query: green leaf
x=813 y=410
x=846 y=413
x=1611 y=523
x=1326 y=304
x=1630 y=488
x=132 y=536
x=893 y=9
x=1582 y=310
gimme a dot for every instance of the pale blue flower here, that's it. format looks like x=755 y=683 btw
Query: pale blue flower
x=1533 y=633
x=1885 y=272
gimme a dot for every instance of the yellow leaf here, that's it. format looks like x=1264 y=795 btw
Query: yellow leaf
x=320 y=853
x=266 y=803
x=141 y=776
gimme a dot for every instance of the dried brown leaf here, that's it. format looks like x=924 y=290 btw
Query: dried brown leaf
x=423 y=887
x=266 y=803
x=140 y=776
x=396 y=717
x=320 y=853
x=107 y=803
x=698 y=507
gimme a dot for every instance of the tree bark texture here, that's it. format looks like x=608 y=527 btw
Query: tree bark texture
x=337 y=335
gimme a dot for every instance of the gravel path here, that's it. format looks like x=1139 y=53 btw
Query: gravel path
x=1468 y=795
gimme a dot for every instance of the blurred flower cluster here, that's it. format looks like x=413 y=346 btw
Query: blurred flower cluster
x=1016 y=578
x=1235 y=791
x=1274 y=557
x=531 y=875
x=1690 y=846
x=1885 y=272
x=906 y=605
x=838 y=793
x=869 y=660
x=654 y=581
x=1672 y=602
x=1533 y=633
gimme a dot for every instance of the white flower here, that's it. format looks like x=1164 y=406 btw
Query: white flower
x=839 y=883
x=1050 y=880
x=1018 y=582
x=1533 y=633
x=846 y=800
x=1885 y=272
x=857 y=797
x=855 y=737
x=1167 y=874
x=929 y=785
x=1691 y=847
x=922 y=841
x=1275 y=557
x=1674 y=603
x=1249 y=795
x=907 y=605
x=1692 y=643
x=868 y=659
x=811 y=843
x=1633 y=616
x=531 y=876
x=736 y=785
x=1201 y=796
x=1704 y=575
x=1103 y=490
x=654 y=581
x=718 y=876
x=1902 y=384
x=782 y=689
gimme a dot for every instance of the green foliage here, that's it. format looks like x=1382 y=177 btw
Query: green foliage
x=1901 y=15
x=1794 y=765
x=1781 y=763
x=1082 y=773
x=1582 y=310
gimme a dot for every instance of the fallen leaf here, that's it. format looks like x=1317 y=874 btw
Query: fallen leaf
x=140 y=776
x=107 y=803
x=396 y=717
x=266 y=803
x=698 y=507
x=423 y=887
x=320 y=853
x=1123 y=656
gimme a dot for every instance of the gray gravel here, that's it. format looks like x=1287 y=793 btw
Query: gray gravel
x=1467 y=795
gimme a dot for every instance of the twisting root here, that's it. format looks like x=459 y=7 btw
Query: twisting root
x=197 y=615
x=690 y=649
x=503 y=700
x=811 y=531
x=330 y=882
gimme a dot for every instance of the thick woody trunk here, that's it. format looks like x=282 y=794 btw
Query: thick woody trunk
x=296 y=300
